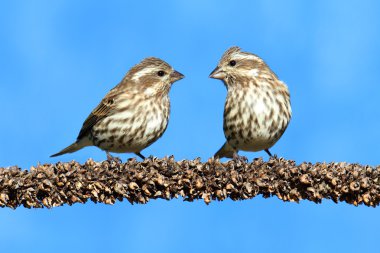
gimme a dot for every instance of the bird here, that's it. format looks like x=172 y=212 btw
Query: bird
x=132 y=115
x=257 y=109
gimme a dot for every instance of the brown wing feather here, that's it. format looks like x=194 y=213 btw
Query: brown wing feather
x=103 y=110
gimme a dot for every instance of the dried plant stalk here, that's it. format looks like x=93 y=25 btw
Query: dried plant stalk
x=53 y=185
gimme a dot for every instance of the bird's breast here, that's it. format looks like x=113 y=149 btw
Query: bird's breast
x=132 y=126
x=254 y=119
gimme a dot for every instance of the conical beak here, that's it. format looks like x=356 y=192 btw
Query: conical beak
x=175 y=76
x=217 y=73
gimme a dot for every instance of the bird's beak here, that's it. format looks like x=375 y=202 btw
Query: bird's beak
x=217 y=73
x=175 y=76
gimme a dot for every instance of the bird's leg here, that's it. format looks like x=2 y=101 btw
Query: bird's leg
x=268 y=152
x=239 y=158
x=140 y=155
x=111 y=158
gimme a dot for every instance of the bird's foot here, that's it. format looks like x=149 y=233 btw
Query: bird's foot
x=111 y=158
x=140 y=155
x=268 y=152
x=239 y=158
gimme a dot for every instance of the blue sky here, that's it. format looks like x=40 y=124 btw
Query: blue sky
x=59 y=58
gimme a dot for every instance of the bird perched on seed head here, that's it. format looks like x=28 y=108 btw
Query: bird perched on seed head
x=132 y=115
x=257 y=109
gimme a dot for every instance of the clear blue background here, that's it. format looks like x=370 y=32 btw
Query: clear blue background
x=59 y=58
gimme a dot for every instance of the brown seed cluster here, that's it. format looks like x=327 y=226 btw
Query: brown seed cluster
x=53 y=185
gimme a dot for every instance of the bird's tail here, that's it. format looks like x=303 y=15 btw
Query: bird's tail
x=73 y=147
x=225 y=151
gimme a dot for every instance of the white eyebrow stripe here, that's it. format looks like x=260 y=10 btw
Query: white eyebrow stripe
x=244 y=56
x=136 y=77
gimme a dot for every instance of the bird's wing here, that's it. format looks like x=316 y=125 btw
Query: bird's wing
x=103 y=110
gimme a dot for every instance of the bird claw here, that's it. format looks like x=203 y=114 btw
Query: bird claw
x=111 y=158
x=239 y=158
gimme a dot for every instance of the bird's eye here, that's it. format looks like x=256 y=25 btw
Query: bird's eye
x=160 y=73
x=232 y=63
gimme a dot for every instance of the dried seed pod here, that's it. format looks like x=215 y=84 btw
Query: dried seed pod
x=142 y=200
x=159 y=180
x=4 y=198
x=47 y=202
x=329 y=176
x=335 y=181
x=230 y=186
x=95 y=193
x=206 y=198
x=133 y=186
x=355 y=186
x=78 y=185
x=304 y=167
x=140 y=176
x=219 y=194
x=56 y=184
x=260 y=182
x=345 y=189
x=366 y=198
x=355 y=174
x=109 y=201
x=159 y=193
x=119 y=188
x=305 y=179
x=145 y=189
x=248 y=187
x=198 y=184
x=364 y=183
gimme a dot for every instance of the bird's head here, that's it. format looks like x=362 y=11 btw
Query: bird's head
x=153 y=76
x=236 y=64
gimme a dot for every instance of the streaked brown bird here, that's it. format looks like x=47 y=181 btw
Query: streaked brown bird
x=257 y=109
x=134 y=114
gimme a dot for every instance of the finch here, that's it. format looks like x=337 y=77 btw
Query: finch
x=257 y=110
x=134 y=114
